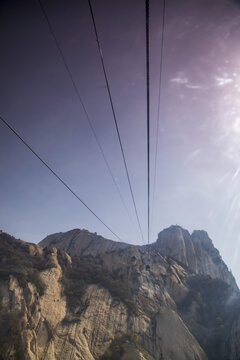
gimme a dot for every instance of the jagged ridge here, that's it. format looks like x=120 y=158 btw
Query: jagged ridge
x=196 y=251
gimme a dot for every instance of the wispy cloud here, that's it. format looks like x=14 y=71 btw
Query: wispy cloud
x=236 y=174
x=182 y=79
x=192 y=156
x=223 y=178
x=224 y=79
x=179 y=80
x=221 y=81
x=191 y=86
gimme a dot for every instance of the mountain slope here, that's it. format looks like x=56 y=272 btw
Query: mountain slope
x=81 y=242
x=110 y=305
x=194 y=251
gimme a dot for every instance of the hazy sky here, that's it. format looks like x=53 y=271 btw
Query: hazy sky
x=198 y=174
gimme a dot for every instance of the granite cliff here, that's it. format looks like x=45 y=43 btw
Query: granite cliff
x=79 y=296
x=195 y=251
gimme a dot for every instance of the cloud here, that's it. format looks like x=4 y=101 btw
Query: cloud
x=191 y=86
x=236 y=174
x=179 y=80
x=182 y=79
x=221 y=81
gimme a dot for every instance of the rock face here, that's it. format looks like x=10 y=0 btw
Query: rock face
x=110 y=302
x=81 y=242
x=195 y=251
x=232 y=344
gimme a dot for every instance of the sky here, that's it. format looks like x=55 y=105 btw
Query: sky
x=198 y=163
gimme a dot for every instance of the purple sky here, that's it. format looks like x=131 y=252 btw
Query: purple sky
x=199 y=150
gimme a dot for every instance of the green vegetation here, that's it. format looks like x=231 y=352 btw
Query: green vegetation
x=10 y=330
x=75 y=302
x=85 y=271
x=19 y=262
x=205 y=290
x=211 y=315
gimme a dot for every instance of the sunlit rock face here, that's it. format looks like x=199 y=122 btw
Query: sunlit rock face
x=81 y=242
x=102 y=302
x=196 y=251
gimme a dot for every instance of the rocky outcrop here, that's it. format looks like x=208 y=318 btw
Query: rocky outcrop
x=196 y=251
x=81 y=242
x=111 y=304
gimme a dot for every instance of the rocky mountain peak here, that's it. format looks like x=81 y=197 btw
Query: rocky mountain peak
x=103 y=303
x=196 y=251
x=201 y=238
x=176 y=242
x=81 y=242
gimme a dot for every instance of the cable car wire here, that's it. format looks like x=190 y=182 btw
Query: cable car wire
x=83 y=106
x=159 y=100
x=148 y=112
x=114 y=116
x=57 y=176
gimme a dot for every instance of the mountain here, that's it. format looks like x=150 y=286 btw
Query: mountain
x=81 y=242
x=77 y=295
x=196 y=251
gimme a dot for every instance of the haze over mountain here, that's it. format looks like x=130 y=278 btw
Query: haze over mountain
x=77 y=295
